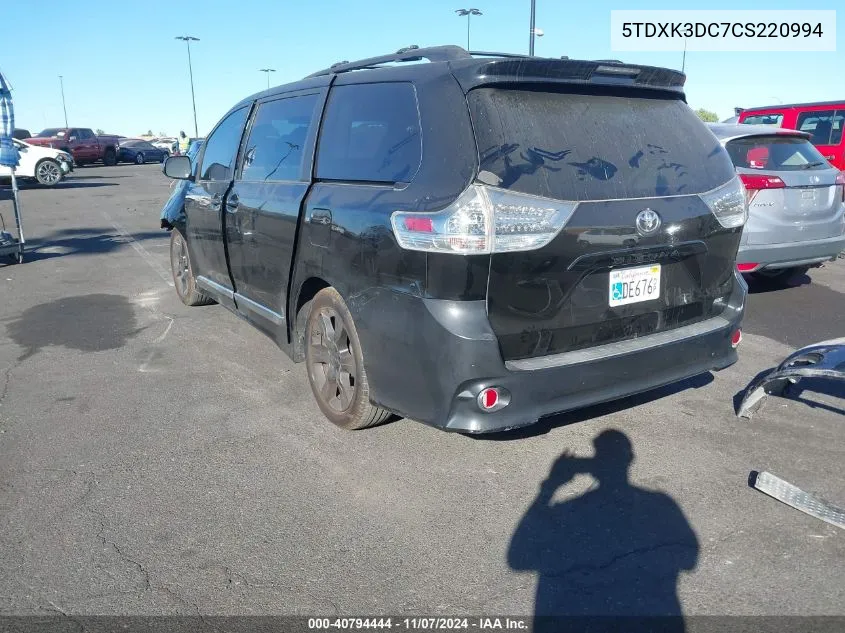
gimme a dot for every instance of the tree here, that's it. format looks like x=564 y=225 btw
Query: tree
x=98 y=131
x=149 y=132
x=707 y=116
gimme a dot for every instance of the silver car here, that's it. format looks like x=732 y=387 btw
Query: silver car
x=796 y=200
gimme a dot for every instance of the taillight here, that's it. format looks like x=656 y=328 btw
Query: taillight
x=484 y=220
x=754 y=183
x=840 y=182
x=728 y=203
x=746 y=267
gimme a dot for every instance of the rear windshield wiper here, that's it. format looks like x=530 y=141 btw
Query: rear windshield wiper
x=818 y=163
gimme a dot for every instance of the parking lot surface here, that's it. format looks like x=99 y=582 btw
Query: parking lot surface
x=160 y=459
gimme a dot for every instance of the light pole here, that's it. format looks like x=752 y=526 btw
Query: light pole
x=267 y=71
x=188 y=39
x=62 y=85
x=684 y=58
x=468 y=13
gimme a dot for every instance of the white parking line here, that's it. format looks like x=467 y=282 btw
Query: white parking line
x=143 y=252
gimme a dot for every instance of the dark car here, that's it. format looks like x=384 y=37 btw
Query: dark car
x=21 y=134
x=174 y=209
x=140 y=152
x=411 y=232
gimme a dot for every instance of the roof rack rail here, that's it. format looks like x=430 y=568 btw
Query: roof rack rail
x=495 y=54
x=408 y=54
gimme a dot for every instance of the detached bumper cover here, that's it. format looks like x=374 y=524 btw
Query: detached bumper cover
x=820 y=360
x=429 y=359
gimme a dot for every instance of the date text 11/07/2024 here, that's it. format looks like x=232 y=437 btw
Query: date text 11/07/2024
x=418 y=624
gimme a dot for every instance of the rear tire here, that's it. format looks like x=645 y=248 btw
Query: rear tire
x=183 y=273
x=139 y=158
x=335 y=364
x=109 y=158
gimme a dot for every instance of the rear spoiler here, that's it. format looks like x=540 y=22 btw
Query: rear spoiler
x=471 y=74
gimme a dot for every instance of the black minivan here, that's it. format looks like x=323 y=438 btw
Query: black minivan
x=474 y=241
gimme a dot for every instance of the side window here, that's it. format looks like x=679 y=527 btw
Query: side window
x=371 y=132
x=819 y=124
x=276 y=142
x=221 y=148
x=86 y=134
x=764 y=119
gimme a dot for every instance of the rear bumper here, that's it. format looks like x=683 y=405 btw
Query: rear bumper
x=429 y=359
x=774 y=256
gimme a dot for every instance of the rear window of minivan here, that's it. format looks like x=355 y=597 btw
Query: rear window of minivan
x=594 y=147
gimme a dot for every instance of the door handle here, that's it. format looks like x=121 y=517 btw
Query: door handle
x=232 y=203
x=215 y=201
x=321 y=216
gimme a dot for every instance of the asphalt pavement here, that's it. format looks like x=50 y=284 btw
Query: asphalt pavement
x=160 y=459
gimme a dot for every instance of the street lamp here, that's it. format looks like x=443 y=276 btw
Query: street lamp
x=188 y=39
x=534 y=31
x=62 y=84
x=267 y=71
x=468 y=13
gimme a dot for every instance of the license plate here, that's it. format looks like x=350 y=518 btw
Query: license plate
x=633 y=285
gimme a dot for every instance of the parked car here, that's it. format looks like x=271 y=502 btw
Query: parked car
x=79 y=142
x=44 y=165
x=140 y=152
x=167 y=144
x=824 y=122
x=796 y=210
x=20 y=134
x=420 y=253
x=174 y=209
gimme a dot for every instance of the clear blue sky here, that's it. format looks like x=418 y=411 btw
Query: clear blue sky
x=124 y=72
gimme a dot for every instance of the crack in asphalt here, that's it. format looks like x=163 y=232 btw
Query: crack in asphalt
x=616 y=559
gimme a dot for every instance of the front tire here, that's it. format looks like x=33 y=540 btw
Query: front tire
x=139 y=159
x=183 y=272
x=48 y=172
x=335 y=364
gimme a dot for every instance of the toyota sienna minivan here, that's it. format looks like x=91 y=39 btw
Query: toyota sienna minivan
x=423 y=235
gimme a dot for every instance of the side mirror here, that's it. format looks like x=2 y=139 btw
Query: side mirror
x=71 y=139
x=178 y=167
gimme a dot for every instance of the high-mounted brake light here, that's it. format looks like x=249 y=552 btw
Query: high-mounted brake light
x=728 y=203
x=484 y=220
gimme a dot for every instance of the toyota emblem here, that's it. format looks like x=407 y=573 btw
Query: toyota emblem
x=648 y=222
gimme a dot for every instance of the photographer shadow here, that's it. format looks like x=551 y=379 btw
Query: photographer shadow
x=614 y=552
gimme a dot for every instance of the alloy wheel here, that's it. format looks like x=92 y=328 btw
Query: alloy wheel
x=49 y=173
x=332 y=361
x=180 y=264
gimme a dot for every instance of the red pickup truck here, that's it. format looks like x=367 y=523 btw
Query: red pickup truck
x=79 y=142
